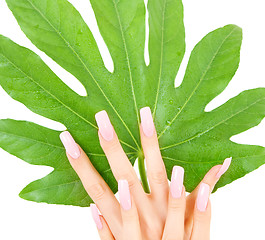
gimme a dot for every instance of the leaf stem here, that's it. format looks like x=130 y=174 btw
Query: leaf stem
x=142 y=172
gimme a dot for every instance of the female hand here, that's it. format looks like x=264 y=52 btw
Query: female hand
x=166 y=213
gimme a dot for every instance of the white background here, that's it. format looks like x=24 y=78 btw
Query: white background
x=238 y=209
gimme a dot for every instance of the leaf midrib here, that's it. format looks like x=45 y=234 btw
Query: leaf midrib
x=52 y=145
x=211 y=128
x=128 y=64
x=48 y=92
x=187 y=162
x=86 y=68
x=56 y=146
x=161 y=56
x=198 y=84
x=31 y=139
x=62 y=184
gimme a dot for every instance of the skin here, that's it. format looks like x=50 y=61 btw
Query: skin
x=153 y=216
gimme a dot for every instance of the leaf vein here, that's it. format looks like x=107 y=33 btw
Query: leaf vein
x=129 y=67
x=211 y=128
x=86 y=68
x=161 y=56
x=198 y=84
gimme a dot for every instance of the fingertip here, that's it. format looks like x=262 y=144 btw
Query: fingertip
x=203 y=197
x=62 y=134
x=224 y=167
x=202 y=215
x=104 y=124
x=214 y=170
x=176 y=185
x=96 y=216
x=124 y=194
x=147 y=122
x=70 y=145
x=77 y=160
x=177 y=204
x=105 y=232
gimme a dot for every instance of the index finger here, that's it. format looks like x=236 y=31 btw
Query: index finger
x=118 y=161
x=211 y=178
x=93 y=183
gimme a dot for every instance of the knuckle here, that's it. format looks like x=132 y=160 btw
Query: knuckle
x=201 y=217
x=96 y=191
x=170 y=237
x=154 y=228
x=159 y=177
x=130 y=216
x=177 y=205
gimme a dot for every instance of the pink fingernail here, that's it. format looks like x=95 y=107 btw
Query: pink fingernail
x=104 y=125
x=176 y=184
x=95 y=215
x=124 y=194
x=224 y=167
x=147 y=121
x=203 y=196
x=70 y=145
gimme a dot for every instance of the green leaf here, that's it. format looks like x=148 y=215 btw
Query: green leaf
x=188 y=135
x=41 y=146
x=166 y=48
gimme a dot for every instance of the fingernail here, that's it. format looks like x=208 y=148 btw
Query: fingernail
x=176 y=184
x=147 y=121
x=203 y=196
x=224 y=167
x=95 y=215
x=70 y=145
x=124 y=194
x=104 y=125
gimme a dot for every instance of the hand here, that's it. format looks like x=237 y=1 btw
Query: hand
x=166 y=213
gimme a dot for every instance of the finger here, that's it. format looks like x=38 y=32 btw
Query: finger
x=93 y=183
x=174 y=227
x=202 y=214
x=156 y=170
x=119 y=163
x=102 y=226
x=211 y=178
x=130 y=218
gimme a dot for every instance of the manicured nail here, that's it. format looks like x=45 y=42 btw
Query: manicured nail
x=203 y=196
x=147 y=121
x=70 y=145
x=104 y=125
x=95 y=215
x=224 y=167
x=176 y=184
x=124 y=194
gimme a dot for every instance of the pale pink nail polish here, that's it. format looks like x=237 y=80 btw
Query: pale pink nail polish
x=104 y=125
x=95 y=215
x=147 y=121
x=124 y=194
x=176 y=184
x=224 y=167
x=70 y=145
x=203 y=196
